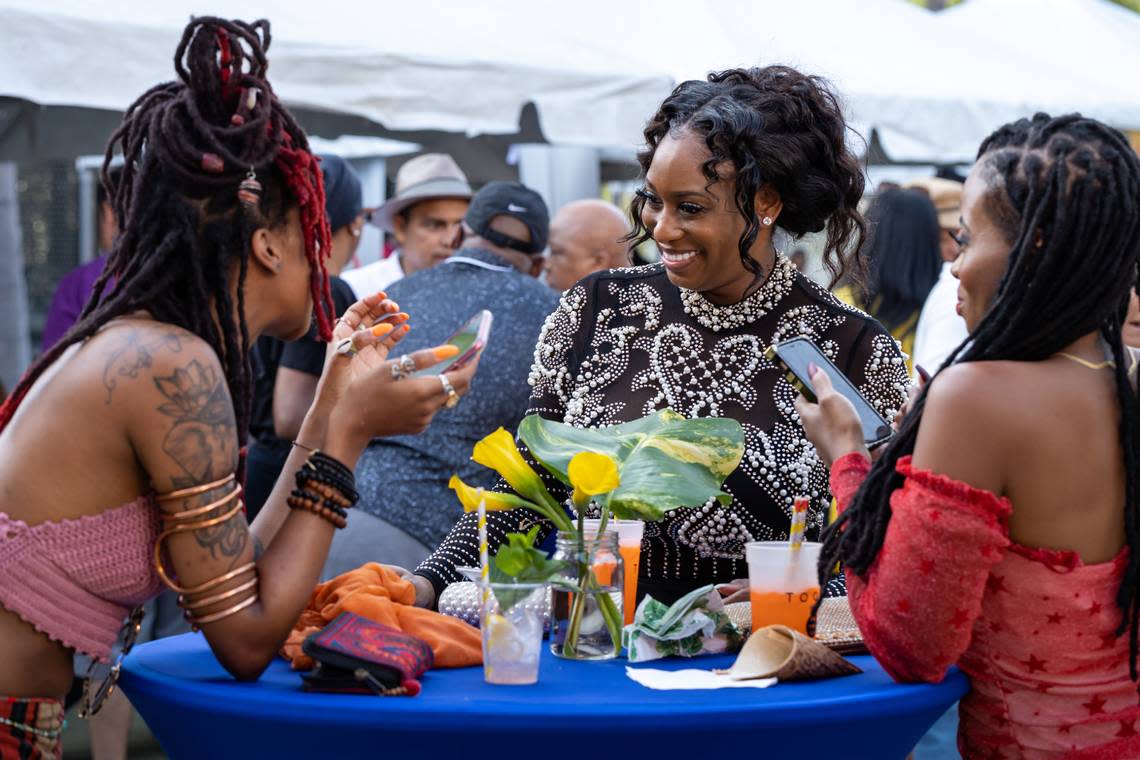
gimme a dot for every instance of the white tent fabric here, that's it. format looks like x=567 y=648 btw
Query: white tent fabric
x=931 y=85
x=459 y=67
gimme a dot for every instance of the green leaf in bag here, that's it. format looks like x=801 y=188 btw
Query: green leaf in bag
x=665 y=460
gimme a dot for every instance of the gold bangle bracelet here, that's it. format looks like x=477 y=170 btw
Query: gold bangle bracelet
x=200 y=603
x=158 y=564
x=167 y=532
x=205 y=586
x=190 y=514
x=184 y=493
x=197 y=622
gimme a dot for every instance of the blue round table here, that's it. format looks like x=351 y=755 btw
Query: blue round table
x=576 y=710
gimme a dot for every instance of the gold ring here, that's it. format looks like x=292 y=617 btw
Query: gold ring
x=449 y=389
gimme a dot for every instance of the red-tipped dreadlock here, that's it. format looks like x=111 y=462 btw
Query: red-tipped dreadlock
x=304 y=177
x=209 y=159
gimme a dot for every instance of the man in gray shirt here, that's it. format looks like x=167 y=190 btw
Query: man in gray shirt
x=406 y=507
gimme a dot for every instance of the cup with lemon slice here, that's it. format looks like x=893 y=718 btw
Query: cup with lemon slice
x=512 y=632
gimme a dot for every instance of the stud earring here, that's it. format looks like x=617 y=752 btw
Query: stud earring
x=767 y=221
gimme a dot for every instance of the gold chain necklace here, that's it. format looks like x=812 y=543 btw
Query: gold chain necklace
x=1086 y=363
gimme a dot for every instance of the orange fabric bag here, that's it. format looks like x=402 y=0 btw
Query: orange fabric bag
x=379 y=594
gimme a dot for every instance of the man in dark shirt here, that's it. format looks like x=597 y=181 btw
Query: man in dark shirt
x=285 y=374
x=406 y=508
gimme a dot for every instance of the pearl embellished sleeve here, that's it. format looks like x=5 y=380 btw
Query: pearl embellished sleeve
x=878 y=369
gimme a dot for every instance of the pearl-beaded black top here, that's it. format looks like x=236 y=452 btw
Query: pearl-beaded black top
x=626 y=342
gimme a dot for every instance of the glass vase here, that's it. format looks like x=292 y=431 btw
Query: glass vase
x=586 y=617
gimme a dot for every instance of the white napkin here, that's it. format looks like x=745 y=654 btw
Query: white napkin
x=691 y=678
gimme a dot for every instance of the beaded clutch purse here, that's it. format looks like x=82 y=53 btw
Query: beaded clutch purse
x=357 y=655
x=834 y=624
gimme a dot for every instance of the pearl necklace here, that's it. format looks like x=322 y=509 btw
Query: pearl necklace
x=717 y=318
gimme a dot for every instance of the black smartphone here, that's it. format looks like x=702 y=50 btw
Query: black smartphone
x=796 y=354
x=471 y=339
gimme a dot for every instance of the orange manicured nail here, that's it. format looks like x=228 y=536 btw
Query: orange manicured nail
x=445 y=351
x=382 y=329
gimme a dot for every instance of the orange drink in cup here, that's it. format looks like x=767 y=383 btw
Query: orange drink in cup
x=783 y=582
x=629 y=544
x=605 y=563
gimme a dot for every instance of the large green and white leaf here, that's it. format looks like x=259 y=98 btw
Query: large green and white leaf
x=665 y=460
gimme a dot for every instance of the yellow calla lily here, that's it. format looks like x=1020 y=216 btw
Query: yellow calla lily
x=469 y=497
x=498 y=451
x=593 y=474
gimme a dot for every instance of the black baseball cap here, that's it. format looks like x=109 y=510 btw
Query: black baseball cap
x=514 y=200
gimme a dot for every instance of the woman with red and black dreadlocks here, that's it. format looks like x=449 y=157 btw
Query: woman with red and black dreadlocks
x=118 y=449
x=999 y=530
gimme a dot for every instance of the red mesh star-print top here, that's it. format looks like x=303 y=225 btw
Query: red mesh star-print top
x=1034 y=629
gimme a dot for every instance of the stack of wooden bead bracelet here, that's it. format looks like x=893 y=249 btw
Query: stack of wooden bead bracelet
x=325 y=487
x=194 y=600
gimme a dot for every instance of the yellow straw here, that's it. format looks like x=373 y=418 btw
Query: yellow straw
x=484 y=565
x=799 y=522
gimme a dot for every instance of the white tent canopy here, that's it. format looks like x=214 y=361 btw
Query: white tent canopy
x=930 y=85
x=459 y=67
x=933 y=85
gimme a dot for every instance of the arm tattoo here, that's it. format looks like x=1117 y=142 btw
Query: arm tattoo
x=134 y=355
x=203 y=435
x=228 y=539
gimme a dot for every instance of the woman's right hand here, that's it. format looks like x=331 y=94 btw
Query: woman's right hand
x=382 y=405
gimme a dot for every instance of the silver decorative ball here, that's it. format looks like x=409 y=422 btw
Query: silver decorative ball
x=462 y=600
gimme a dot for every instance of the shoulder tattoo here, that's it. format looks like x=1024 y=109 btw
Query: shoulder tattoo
x=203 y=439
x=135 y=353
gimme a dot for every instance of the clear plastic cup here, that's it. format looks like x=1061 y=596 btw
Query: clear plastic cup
x=590 y=526
x=783 y=583
x=512 y=627
x=630 y=533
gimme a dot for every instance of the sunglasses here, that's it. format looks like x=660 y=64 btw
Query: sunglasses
x=93 y=698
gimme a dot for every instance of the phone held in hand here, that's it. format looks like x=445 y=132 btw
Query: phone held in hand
x=471 y=339
x=796 y=354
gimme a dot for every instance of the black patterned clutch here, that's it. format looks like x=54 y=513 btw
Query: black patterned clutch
x=358 y=656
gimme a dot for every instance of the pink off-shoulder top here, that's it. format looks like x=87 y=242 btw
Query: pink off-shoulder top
x=1034 y=629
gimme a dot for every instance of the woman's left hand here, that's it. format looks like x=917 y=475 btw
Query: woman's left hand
x=832 y=424
x=370 y=349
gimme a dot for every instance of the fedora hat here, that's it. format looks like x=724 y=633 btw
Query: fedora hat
x=424 y=178
x=945 y=194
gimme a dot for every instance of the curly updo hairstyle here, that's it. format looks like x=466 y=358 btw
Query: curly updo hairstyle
x=1065 y=192
x=185 y=233
x=780 y=129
